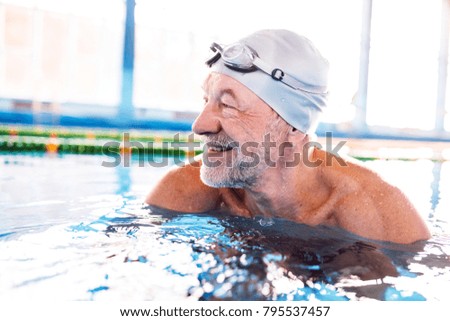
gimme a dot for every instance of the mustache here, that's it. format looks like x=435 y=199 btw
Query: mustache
x=220 y=141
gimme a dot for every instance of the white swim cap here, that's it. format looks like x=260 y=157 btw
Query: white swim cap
x=291 y=75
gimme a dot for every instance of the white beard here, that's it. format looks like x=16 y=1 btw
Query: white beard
x=242 y=171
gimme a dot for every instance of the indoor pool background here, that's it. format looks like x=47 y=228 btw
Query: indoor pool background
x=71 y=229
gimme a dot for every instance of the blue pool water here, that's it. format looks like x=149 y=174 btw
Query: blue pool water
x=71 y=229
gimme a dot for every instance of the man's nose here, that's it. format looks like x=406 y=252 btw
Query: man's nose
x=207 y=122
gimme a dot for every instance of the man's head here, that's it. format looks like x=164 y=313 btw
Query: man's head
x=268 y=83
x=287 y=72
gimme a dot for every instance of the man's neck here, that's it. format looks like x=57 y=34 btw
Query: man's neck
x=287 y=191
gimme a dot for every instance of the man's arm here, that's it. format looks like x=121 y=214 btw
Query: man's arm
x=182 y=190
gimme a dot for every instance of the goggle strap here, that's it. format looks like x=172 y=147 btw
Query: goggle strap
x=296 y=84
x=217 y=49
x=211 y=61
x=280 y=75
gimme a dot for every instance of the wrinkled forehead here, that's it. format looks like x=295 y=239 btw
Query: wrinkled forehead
x=216 y=83
x=215 y=80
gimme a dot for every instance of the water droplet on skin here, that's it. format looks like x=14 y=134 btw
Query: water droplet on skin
x=266 y=221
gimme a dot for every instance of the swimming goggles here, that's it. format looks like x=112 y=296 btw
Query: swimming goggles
x=242 y=58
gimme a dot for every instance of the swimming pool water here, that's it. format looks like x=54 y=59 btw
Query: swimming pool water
x=73 y=230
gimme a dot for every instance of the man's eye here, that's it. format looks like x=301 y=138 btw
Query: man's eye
x=205 y=100
x=225 y=105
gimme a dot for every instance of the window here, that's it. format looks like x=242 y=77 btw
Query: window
x=403 y=63
x=61 y=51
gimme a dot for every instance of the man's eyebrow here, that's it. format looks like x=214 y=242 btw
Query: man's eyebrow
x=227 y=92
x=222 y=92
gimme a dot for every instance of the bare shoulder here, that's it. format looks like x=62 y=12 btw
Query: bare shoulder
x=371 y=207
x=181 y=189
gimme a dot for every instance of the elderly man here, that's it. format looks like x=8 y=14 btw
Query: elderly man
x=261 y=99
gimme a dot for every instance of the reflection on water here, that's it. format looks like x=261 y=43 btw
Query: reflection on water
x=98 y=243
x=133 y=253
